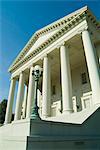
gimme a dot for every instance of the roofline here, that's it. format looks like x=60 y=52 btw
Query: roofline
x=65 y=17
x=45 y=30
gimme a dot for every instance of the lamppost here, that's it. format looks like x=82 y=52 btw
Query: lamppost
x=37 y=73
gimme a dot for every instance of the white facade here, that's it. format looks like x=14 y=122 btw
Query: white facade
x=68 y=50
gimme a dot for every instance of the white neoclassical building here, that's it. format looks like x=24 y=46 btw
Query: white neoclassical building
x=68 y=51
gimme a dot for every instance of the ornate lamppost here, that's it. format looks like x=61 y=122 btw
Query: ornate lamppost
x=37 y=73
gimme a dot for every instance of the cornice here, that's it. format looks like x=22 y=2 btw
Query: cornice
x=25 y=49
x=61 y=21
x=93 y=19
x=66 y=26
x=56 y=25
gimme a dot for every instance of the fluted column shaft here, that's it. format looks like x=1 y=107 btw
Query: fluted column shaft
x=10 y=101
x=20 y=96
x=92 y=65
x=30 y=97
x=46 y=101
x=66 y=80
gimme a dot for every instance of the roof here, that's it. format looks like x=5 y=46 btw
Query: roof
x=63 y=25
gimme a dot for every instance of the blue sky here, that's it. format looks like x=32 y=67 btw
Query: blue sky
x=20 y=19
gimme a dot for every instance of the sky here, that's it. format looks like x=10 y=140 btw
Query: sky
x=20 y=19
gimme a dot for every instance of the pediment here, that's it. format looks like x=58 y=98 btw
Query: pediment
x=41 y=40
x=45 y=36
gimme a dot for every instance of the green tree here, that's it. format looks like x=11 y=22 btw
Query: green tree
x=3 y=106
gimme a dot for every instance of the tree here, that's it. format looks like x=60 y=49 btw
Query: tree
x=3 y=106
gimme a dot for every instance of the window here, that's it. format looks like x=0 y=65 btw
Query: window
x=83 y=78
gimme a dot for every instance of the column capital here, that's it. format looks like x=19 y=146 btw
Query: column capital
x=12 y=78
x=22 y=72
x=30 y=66
x=45 y=55
x=82 y=30
x=62 y=44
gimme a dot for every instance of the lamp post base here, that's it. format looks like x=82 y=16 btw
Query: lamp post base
x=35 y=114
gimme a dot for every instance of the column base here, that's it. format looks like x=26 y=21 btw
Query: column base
x=15 y=119
x=67 y=111
x=5 y=123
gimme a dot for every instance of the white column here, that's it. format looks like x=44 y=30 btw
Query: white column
x=46 y=99
x=10 y=101
x=24 y=103
x=66 y=80
x=93 y=68
x=20 y=96
x=30 y=97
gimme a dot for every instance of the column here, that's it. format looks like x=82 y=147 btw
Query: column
x=24 y=103
x=66 y=80
x=20 y=96
x=92 y=65
x=46 y=99
x=10 y=101
x=30 y=97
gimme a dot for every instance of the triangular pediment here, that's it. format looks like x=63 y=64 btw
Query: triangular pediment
x=41 y=40
x=43 y=36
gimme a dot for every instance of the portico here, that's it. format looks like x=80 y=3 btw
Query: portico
x=62 y=69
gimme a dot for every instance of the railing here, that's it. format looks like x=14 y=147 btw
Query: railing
x=56 y=107
x=86 y=100
x=74 y=103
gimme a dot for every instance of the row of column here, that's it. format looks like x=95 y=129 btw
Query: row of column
x=65 y=82
x=29 y=93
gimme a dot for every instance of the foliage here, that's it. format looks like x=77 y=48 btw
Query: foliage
x=3 y=106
